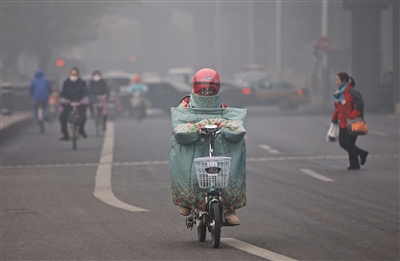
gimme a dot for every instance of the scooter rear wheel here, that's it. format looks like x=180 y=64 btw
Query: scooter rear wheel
x=201 y=230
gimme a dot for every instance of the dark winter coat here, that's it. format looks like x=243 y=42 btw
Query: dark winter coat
x=40 y=88
x=74 y=91
x=98 y=88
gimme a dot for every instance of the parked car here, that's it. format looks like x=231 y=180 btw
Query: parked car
x=183 y=75
x=277 y=92
x=16 y=97
x=250 y=73
x=232 y=94
x=150 y=76
x=166 y=94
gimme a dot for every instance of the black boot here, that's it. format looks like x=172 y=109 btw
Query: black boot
x=65 y=137
x=83 y=133
x=353 y=168
x=363 y=157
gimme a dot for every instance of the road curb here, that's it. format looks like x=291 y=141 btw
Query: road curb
x=10 y=130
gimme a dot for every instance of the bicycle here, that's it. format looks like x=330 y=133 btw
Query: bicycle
x=53 y=106
x=212 y=173
x=112 y=108
x=40 y=107
x=75 y=120
x=98 y=109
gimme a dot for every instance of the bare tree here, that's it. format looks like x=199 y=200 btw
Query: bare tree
x=38 y=28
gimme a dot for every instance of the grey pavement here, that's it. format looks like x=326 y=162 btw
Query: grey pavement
x=12 y=124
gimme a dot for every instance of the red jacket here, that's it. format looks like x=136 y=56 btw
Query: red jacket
x=349 y=107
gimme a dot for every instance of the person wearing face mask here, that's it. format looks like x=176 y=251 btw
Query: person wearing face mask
x=98 y=90
x=204 y=107
x=74 y=89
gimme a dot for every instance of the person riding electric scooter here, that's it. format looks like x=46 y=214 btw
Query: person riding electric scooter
x=203 y=107
x=138 y=90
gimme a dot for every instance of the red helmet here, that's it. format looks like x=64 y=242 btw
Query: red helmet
x=206 y=82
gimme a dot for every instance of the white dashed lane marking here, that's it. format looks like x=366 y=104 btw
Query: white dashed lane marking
x=258 y=251
x=377 y=133
x=269 y=149
x=316 y=175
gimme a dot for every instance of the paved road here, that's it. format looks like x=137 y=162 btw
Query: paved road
x=111 y=199
x=12 y=124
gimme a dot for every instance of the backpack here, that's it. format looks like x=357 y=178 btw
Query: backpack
x=358 y=101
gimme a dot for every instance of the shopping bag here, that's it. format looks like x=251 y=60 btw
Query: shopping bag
x=333 y=133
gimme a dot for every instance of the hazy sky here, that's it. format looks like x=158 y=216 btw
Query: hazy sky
x=223 y=35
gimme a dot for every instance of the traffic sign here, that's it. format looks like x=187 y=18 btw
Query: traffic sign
x=324 y=44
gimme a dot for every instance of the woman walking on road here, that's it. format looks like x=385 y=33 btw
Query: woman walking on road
x=346 y=107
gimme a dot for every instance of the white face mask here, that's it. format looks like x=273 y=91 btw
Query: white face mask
x=73 y=78
x=96 y=78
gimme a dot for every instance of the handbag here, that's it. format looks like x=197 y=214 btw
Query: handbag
x=333 y=133
x=356 y=126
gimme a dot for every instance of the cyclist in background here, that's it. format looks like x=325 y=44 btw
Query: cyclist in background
x=40 y=90
x=74 y=89
x=98 y=90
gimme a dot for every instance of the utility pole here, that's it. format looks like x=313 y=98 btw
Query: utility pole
x=396 y=56
x=251 y=32
x=217 y=32
x=278 y=37
x=324 y=58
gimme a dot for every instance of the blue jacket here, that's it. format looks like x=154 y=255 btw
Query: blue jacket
x=40 y=88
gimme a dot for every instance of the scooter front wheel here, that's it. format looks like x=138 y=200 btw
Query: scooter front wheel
x=215 y=223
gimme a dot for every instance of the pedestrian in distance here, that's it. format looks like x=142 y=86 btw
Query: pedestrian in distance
x=348 y=105
x=40 y=90
x=73 y=89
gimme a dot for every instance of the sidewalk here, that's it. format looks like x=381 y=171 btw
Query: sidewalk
x=12 y=124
